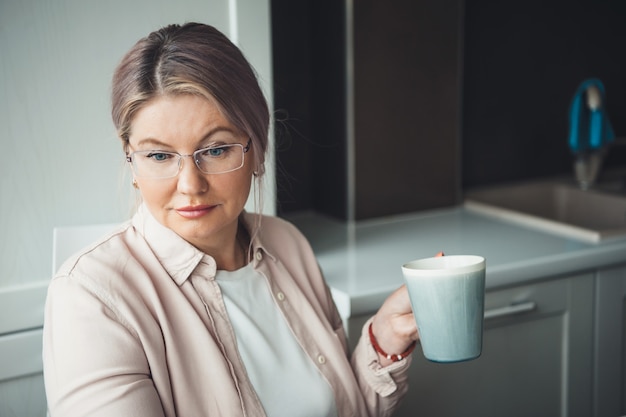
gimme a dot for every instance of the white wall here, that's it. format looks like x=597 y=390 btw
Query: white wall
x=63 y=164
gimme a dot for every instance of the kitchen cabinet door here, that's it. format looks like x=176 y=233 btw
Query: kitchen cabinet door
x=536 y=359
x=610 y=349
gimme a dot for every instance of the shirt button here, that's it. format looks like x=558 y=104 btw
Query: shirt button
x=258 y=256
x=280 y=296
x=321 y=359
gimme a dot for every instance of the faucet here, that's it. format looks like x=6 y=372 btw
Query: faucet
x=590 y=131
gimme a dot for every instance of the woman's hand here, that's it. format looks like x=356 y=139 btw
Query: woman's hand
x=394 y=325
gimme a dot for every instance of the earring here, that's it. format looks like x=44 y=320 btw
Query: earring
x=135 y=184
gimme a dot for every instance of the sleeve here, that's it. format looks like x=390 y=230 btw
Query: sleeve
x=94 y=364
x=383 y=387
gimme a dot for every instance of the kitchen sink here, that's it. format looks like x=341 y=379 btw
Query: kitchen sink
x=555 y=206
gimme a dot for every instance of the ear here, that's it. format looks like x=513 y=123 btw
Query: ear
x=259 y=171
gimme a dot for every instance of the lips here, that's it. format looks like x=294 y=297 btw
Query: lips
x=194 y=212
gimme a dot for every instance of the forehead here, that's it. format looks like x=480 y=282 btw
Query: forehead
x=177 y=120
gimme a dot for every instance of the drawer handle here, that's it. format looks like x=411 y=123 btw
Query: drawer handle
x=510 y=310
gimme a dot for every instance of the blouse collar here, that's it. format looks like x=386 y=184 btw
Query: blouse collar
x=179 y=257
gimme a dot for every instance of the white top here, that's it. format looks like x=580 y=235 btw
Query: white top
x=270 y=352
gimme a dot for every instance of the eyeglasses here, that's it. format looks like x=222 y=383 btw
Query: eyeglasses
x=218 y=159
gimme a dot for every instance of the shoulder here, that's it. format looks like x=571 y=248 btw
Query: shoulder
x=114 y=266
x=108 y=248
x=98 y=284
x=116 y=271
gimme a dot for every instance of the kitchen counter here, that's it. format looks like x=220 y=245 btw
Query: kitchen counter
x=362 y=262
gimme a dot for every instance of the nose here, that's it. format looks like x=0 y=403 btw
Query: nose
x=190 y=179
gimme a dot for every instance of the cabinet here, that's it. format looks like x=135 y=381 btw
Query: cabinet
x=536 y=359
x=609 y=391
x=353 y=74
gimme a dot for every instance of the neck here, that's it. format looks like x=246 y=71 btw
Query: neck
x=236 y=256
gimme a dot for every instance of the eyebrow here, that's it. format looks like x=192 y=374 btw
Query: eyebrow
x=157 y=143
x=152 y=142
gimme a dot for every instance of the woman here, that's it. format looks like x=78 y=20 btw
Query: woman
x=195 y=307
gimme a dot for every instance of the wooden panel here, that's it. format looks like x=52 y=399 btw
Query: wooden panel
x=407 y=105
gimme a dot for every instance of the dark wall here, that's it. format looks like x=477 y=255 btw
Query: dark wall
x=292 y=68
x=328 y=118
x=406 y=101
x=523 y=62
x=519 y=65
x=309 y=66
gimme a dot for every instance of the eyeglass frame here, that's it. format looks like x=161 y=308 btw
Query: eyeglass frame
x=245 y=149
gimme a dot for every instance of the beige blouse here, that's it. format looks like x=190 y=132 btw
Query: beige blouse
x=135 y=325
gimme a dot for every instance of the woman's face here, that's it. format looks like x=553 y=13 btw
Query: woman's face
x=201 y=208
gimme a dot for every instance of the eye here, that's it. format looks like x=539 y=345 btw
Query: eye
x=159 y=156
x=215 y=152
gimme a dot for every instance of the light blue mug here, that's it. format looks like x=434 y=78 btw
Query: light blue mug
x=448 y=299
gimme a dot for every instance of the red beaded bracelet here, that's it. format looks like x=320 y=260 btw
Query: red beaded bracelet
x=393 y=357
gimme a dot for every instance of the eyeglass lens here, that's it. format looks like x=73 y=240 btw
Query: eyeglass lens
x=212 y=160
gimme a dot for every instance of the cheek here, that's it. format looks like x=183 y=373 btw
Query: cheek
x=155 y=193
x=237 y=187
